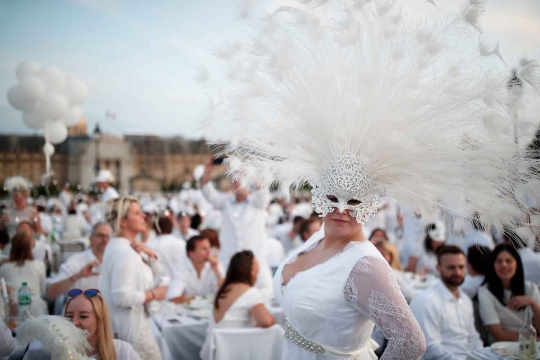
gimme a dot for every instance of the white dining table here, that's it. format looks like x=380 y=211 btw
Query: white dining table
x=184 y=330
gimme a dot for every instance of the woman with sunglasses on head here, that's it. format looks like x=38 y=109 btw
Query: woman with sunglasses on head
x=129 y=274
x=88 y=311
x=505 y=295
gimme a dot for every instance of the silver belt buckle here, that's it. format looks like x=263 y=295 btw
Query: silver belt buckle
x=293 y=336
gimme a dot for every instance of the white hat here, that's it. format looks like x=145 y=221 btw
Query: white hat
x=437 y=231
x=104 y=176
x=149 y=208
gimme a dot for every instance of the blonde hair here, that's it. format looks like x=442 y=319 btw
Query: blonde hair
x=388 y=246
x=117 y=209
x=104 y=345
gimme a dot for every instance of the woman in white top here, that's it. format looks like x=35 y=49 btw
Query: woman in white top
x=424 y=258
x=238 y=304
x=130 y=272
x=23 y=268
x=88 y=311
x=505 y=295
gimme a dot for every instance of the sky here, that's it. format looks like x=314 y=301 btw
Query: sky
x=139 y=58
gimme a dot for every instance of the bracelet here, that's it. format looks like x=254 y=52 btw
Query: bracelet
x=153 y=295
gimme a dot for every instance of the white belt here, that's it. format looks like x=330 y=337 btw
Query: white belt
x=294 y=336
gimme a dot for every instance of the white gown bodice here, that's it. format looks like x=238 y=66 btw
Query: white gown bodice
x=336 y=304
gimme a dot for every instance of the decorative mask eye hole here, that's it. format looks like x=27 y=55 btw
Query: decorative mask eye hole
x=354 y=202
x=332 y=198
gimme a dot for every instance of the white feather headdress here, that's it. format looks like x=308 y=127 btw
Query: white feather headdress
x=16 y=183
x=379 y=96
x=60 y=338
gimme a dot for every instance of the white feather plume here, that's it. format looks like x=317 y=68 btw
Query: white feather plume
x=408 y=94
x=60 y=338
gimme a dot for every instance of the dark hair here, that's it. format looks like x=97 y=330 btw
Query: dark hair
x=4 y=236
x=378 y=230
x=192 y=242
x=494 y=283
x=478 y=258
x=21 y=249
x=448 y=249
x=196 y=221
x=239 y=272
x=297 y=219
x=211 y=235
x=164 y=225
x=304 y=226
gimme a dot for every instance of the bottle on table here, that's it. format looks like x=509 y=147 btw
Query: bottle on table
x=25 y=302
x=527 y=338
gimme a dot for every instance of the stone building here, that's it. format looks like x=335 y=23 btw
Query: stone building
x=139 y=162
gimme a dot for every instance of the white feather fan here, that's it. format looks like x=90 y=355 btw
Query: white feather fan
x=59 y=337
x=410 y=95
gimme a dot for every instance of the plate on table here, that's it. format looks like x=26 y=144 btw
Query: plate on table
x=200 y=303
x=510 y=349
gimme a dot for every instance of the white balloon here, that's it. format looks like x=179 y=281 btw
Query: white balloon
x=48 y=149
x=54 y=106
x=26 y=69
x=32 y=89
x=75 y=91
x=55 y=132
x=73 y=116
x=33 y=120
x=52 y=77
x=15 y=98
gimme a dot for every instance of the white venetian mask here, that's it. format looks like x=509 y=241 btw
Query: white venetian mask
x=346 y=185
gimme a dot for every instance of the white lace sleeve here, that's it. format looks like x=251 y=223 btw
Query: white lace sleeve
x=373 y=289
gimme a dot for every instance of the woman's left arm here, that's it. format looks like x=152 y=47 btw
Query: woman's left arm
x=519 y=302
x=373 y=289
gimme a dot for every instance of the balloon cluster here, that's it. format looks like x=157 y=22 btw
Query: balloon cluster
x=49 y=100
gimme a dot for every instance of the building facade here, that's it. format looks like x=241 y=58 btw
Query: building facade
x=139 y=162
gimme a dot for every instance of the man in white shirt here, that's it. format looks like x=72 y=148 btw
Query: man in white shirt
x=445 y=313
x=105 y=181
x=81 y=271
x=170 y=249
x=202 y=275
x=243 y=218
x=184 y=230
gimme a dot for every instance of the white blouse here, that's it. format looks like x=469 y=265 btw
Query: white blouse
x=124 y=351
x=124 y=280
x=237 y=316
x=336 y=305
x=493 y=312
x=34 y=274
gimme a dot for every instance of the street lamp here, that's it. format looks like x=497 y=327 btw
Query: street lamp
x=97 y=138
x=515 y=87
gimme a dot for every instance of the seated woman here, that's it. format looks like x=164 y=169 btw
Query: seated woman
x=505 y=295
x=88 y=311
x=22 y=268
x=238 y=304
x=424 y=259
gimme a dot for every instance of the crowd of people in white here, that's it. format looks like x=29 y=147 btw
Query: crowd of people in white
x=143 y=251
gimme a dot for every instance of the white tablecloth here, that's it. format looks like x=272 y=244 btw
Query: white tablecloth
x=183 y=334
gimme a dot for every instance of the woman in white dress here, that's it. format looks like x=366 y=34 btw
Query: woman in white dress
x=363 y=99
x=505 y=295
x=88 y=311
x=130 y=275
x=424 y=257
x=23 y=268
x=237 y=303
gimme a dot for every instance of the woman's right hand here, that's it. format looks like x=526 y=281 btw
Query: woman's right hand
x=160 y=292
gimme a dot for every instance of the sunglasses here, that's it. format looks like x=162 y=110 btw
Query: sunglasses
x=88 y=293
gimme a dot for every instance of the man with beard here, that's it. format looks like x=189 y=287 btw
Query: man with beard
x=445 y=313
